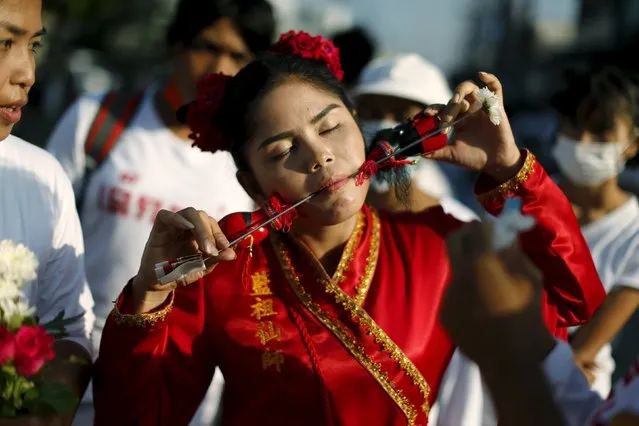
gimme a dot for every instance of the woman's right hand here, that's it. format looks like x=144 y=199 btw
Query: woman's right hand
x=175 y=235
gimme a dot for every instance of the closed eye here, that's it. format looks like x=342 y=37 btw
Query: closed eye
x=281 y=155
x=332 y=129
x=6 y=44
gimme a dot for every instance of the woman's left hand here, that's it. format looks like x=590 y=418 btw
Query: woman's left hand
x=478 y=144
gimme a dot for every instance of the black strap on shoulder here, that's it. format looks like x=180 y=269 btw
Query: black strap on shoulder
x=114 y=115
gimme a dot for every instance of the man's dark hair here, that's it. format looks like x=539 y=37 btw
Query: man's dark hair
x=594 y=99
x=253 y=19
x=356 y=50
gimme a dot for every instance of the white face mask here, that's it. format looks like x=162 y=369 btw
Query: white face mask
x=371 y=127
x=589 y=164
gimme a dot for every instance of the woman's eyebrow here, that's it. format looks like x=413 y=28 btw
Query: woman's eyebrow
x=19 y=32
x=323 y=113
x=288 y=134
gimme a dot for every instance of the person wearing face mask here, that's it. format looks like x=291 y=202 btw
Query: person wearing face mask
x=390 y=91
x=598 y=134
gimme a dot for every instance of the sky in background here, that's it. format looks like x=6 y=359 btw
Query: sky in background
x=440 y=30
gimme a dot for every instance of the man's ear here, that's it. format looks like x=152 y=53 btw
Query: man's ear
x=250 y=185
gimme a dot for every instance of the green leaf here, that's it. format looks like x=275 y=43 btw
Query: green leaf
x=6 y=410
x=13 y=391
x=32 y=402
x=58 y=335
x=14 y=323
x=7 y=405
x=8 y=370
x=29 y=321
x=59 y=317
x=54 y=321
x=78 y=360
x=71 y=320
x=57 y=326
x=31 y=395
x=58 y=397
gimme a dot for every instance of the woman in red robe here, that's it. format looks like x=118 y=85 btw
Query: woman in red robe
x=336 y=322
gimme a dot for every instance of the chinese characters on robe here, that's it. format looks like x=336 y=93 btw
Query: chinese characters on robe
x=267 y=333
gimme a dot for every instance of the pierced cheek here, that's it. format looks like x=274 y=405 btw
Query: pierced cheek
x=290 y=190
x=355 y=157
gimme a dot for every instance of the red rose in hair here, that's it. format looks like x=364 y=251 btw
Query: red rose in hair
x=34 y=347
x=306 y=46
x=7 y=345
x=211 y=90
x=300 y=44
x=201 y=114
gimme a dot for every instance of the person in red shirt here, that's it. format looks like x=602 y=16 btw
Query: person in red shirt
x=337 y=321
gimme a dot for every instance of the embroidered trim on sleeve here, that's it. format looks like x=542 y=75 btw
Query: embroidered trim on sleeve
x=146 y=320
x=512 y=185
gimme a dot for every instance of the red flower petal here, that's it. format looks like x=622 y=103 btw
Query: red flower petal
x=304 y=45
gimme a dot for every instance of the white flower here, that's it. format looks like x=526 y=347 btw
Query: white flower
x=8 y=290
x=12 y=309
x=491 y=104
x=18 y=265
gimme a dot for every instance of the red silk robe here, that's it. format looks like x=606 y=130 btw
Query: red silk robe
x=297 y=347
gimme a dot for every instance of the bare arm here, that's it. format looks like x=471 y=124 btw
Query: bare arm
x=618 y=307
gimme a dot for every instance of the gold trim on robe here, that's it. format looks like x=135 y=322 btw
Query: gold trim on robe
x=512 y=185
x=352 y=306
x=147 y=319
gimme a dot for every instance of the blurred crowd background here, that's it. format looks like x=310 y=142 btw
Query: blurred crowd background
x=96 y=45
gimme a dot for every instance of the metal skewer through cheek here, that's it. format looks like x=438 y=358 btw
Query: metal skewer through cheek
x=188 y=264
x=316 y=193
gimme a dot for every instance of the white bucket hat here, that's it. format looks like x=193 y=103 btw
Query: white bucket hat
x=407 y=76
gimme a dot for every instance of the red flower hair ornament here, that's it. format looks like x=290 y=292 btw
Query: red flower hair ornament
x=201 y=115
x=306 y=46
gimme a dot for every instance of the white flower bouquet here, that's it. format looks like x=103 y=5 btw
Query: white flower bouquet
x=26 y=346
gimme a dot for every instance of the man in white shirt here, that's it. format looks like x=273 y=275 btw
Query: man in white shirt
x=151 y=165
x=37 y=205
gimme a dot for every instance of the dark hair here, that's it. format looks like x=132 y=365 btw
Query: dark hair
x=594 y=99
x=256 y=80
x=253 y=19
x=356 y=49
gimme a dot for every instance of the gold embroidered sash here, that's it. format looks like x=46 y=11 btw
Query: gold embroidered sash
x=342 y=313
